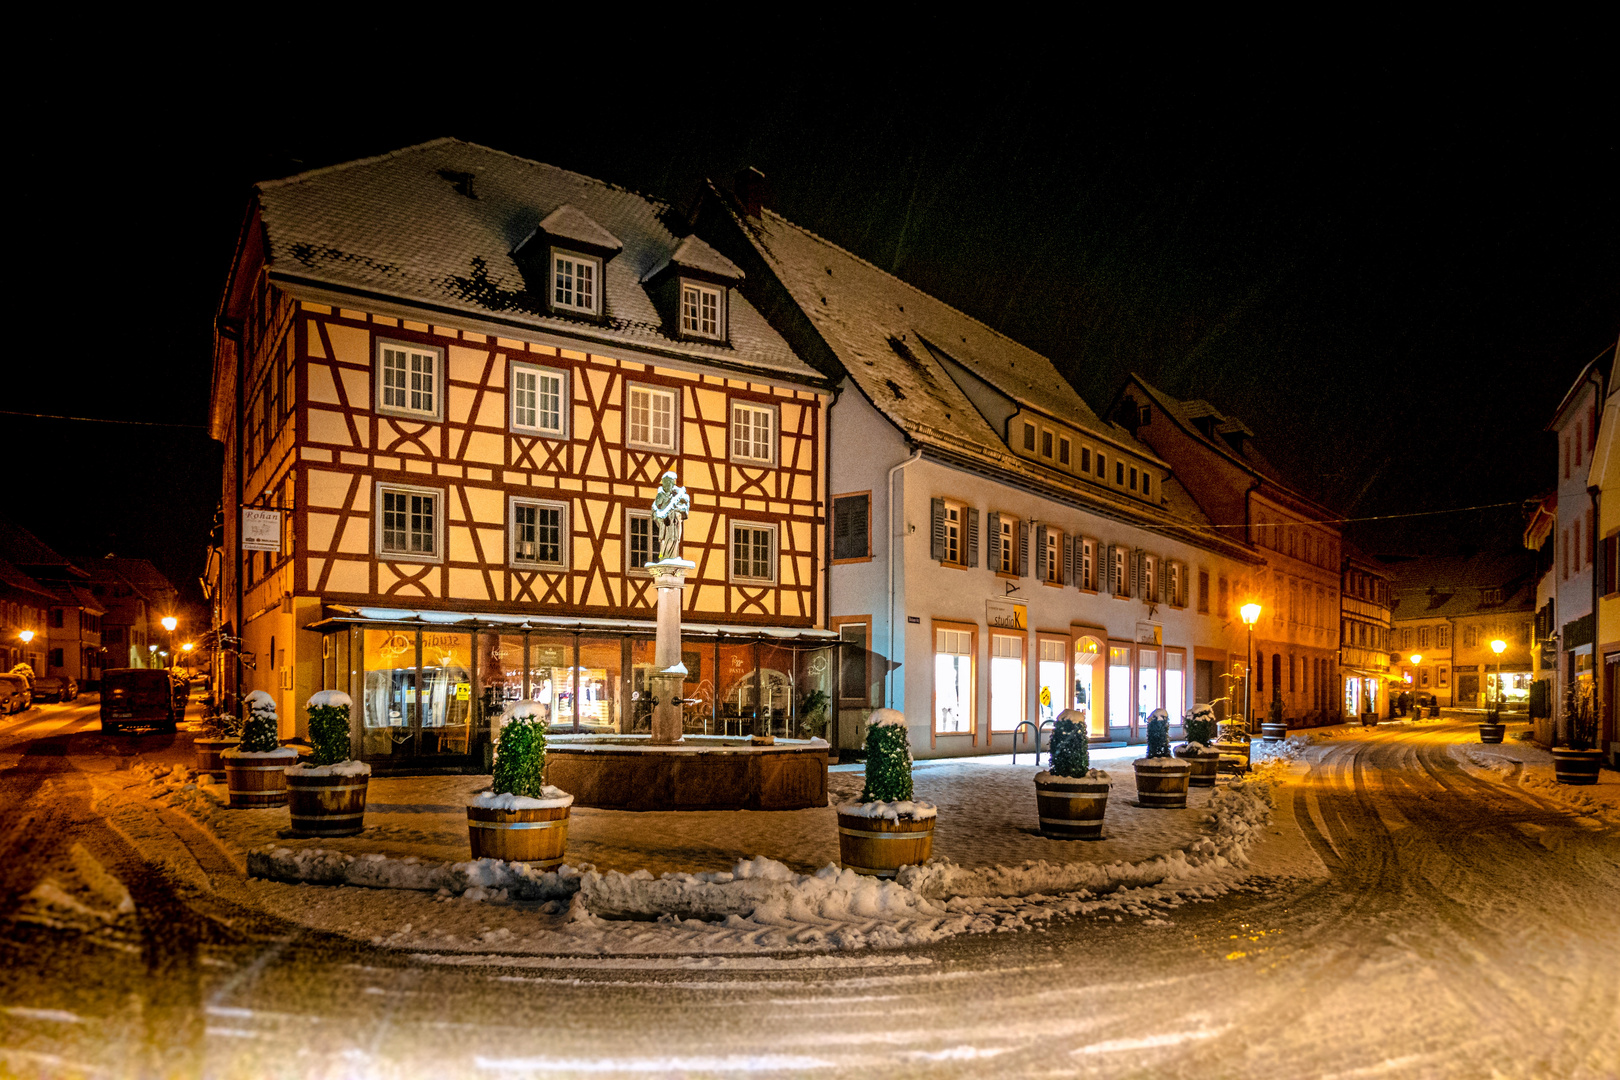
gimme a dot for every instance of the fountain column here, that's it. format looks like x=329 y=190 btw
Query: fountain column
x=669 y=673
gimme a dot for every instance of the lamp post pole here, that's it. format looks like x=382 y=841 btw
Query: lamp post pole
x=1497 y=647
x=1251 y=615
x=1417 y=710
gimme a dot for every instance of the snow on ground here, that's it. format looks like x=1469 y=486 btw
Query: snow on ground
x=1530 y=768
x=728 y=881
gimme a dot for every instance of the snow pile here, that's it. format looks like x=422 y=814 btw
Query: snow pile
x=1093 y=776
x=918 y=810
x=328 y=698
x=321 y=866
x=342 y=768
x=551 y=797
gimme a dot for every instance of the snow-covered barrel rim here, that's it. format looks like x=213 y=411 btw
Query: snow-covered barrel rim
x=552 y=798
x=287 y=753
x=1166 y=763
x=1093 y=776
x=571 y=743
x=349 y=767
x=905 y=810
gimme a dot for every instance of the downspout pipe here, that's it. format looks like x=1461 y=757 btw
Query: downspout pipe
x=1597 y=661
x=827 y=562
x=888 y=676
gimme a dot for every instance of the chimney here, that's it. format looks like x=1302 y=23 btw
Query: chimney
x=752 y=190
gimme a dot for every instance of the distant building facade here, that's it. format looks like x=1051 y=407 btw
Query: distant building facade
x=1364 y=634
x=1604 y=476
x=1447 y=611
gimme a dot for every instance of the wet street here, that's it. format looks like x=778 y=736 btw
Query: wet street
x=1465 y=928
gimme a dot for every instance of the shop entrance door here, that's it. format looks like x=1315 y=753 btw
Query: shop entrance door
x=1467 y=689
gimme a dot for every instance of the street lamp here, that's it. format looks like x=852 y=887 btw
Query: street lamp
x=1497 y=647
x=1417 y=710
x=169 y=623
x=1251 y=615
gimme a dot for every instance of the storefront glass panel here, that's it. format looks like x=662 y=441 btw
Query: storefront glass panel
x=1088 y=658
x=388 y=696
x=600 y=688
x=500 y=673
x=737 y=692
x=639 y=720
x=1006 y=682
x=447 y=705
x=551 y=678
x=813 y=687
x=1049 y=695
x=1119 y=686
x=1147 y=683
x=699 y=658
x=953 y=682
x=1175 y=684
x=778 y=693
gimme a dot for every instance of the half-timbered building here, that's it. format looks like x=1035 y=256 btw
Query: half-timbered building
x=456 y=377
x=1000 y=552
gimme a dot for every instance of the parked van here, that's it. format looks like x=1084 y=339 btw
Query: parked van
x=139 y=696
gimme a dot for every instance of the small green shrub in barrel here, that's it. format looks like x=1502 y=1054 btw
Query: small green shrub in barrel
x=888 y=829
x=520 y=756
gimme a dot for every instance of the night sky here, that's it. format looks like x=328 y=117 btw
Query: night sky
x=1392 y=282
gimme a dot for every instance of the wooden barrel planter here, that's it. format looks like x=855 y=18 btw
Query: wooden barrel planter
x=1576 y=766
x=326 y=805
x=1204 y=764
x=1492 y=733
x=536 y=837
x=1161 y=783
x=257 y=780
x=209 y=748
x=1071 y=807
x=880 y=847
x=1274 y=732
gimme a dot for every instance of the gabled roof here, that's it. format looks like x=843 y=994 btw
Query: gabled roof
x=898 y=343
x=571 y=223
x=1452 y=586
x=694 y=254
x=23 y=548
x=435 y=226
x=1596 y=367
x=1249 y=458
x=11 y=576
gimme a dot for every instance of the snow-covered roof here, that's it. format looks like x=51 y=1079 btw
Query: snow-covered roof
x=436 y=225
x=899 y=345
x=694 y=254
x=1452 y=586
x=571 y=223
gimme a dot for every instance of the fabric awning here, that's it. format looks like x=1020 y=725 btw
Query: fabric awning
x=338 y=615
x=1369 y=673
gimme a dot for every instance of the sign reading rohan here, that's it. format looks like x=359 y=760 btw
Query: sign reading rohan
x=261 y=530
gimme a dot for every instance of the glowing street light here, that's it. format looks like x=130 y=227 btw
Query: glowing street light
x=1497 y=647
x=1416 y=658
x=1251 y=615
x=27 y=636
x=169 y=623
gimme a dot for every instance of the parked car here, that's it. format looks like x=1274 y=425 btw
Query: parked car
x=15 y=695
x=139 y=696
x=55 y=688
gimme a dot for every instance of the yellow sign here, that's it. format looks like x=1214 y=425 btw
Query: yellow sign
x=1046 y=697
x=463 y=691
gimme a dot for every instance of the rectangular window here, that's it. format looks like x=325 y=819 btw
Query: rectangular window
x=539 y=533
x=852 y=533
x=1224 y=594
x=574 y=281
x=1122 y=585
x=1119 y=473
x=753 y=553
x=1053 y=557
x=638 y=532
x=753 y=433
x=1423 y=637
x=1150 y=577
x=1442 y=637
x=852 y=676
x=1046 y=444
x=1146 y=485
x=1119 y=688
x=1053 y=676
x=409 y=523
x=1102 y=467
x=1133 y=479
x=1175 y=684
x=1175 y=597
x=538 y=399
x=1006 y=682
x=1029 y=437
x=410 y=379
x=1085 y=459
x=1006 y=544
x=953 y=533
x=700 y=310
x=1063 y=451
x=953 y=682
x=652 y=417
x=1203 y=592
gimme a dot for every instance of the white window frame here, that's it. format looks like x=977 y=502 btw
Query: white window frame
x=756 y=409
x=1006 y=541
x=955 y=533
x=564 y=529
x=674 y=444
x=1150 y=577
x=436 y=391
x=383 y=554
x=1087 y=578
x=1053 y=556
x=732 y=528
x=691 y=327
x=516 y=403
x=559 y=256
x=652 y=541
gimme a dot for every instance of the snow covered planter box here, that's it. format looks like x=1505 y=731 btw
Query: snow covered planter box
x=886 y=830
x=1072 y=797
x=1161 y=780
x=328 y=797
x=1196 y=750
x=1490 y=734
x=209 y=748
x=255 y=770
x=520 y=819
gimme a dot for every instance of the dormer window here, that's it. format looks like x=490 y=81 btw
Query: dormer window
x=702 y=310
x=575 y=281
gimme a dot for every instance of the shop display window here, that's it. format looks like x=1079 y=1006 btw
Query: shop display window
x=446 y=705
x=1088 y=657
x=551 y=679
x=1119 y=686
x=388 y=697
x=1006 y=682
x=1147 y=684
x=1052 y=676
x=813 y=691
x=500 y=675
x=600 y=708
x=1175 y=684
x=953 y=682
x=738 y=699
x=778 y=697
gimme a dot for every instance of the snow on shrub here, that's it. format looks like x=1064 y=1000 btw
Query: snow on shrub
x=329 y=726
x=520 y=756
x=1158 y=734
x=259 y=729
x=1071 y=750
x=1200 y=725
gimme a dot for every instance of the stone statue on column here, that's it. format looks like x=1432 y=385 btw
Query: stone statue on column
x=670 y=507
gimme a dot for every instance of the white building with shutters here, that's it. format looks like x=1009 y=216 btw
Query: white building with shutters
x=999 y=552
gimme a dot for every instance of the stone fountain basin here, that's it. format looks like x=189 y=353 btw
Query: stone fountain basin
x=702 y=772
